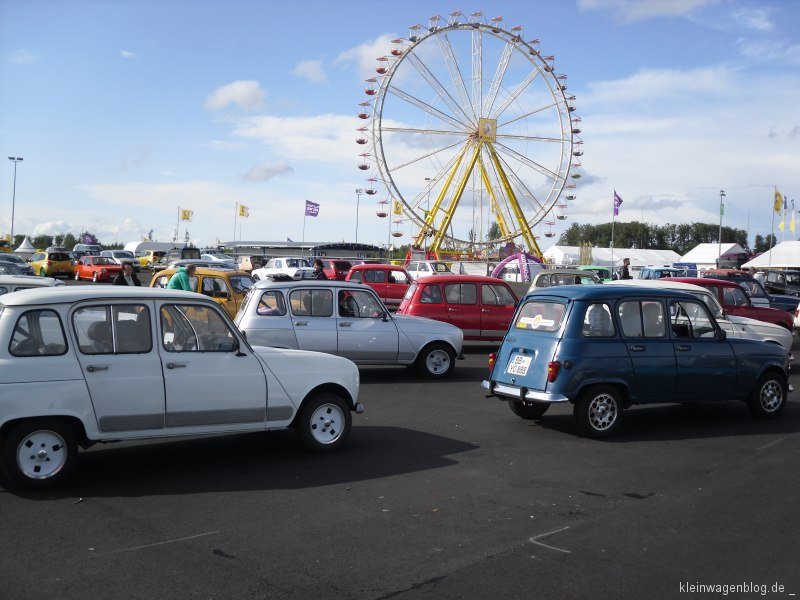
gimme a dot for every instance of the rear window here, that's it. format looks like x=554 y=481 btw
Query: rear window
x=58 y=256
x=342 y=265
x=540 y=315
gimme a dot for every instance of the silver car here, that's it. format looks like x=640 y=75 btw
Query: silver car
x=347 y=319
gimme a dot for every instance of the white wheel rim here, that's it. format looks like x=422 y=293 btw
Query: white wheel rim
x=771 y=396
x=41 y=454
x=437 y=362
x=327 y=424
x=602 y=412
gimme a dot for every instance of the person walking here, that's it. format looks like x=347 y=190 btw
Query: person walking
x=126 y=276
x=180 y=280
x=624 y=272
x=318 y=272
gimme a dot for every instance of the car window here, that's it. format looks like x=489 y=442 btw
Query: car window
x=430 y=294
x=215 y=287
x=58 y=256
x=496 y=295
x=271 y=304
x=423 y=267
x=440 y=268
x=540 y=315
x=38 y=333
x=311 y=303
x=356 y=276
x=376 y=276
x=161 y=281
x=114 y=329
x=359 y=305
x=398 y=277
x=241 y=284
x=461 y=293
x=543 y=281
x=597 y=321
x=194 y=328
x=737 y=296
x=3 y=290
x=690 y=319
x=642 y=319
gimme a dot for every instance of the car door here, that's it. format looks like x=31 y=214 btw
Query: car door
x=736 y=302
x=463 y=309
x=366 y=333
x=706 y=367
x=397 y=283
x=313 y=319
x=496 y=310
x=376 y=279
x=121 y=365
x=211 y=381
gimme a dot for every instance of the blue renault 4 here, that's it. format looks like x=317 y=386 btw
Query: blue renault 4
x=606 y=348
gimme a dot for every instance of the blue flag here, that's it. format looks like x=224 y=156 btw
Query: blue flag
x=617 y=203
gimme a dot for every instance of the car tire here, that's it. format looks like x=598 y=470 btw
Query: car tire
x=94 y=277
x=598 y=411
x=56 y=452
x=77 y=276
x=42 y=272
x=324 y=422
x=528 y=410
x=769 y=396
x=436 y=360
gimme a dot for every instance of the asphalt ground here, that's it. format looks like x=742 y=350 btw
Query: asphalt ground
x=440 y=493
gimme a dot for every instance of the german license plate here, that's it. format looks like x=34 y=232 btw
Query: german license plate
x=519 y=365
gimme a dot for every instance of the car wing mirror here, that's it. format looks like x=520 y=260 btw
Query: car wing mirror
x=228 y=346
x=721 y=335
x=385 y=316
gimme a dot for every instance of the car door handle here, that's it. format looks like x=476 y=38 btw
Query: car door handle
x=682 y=347
x=345 y=324
x=176 y=365
x=93 y=368
x=301 y=323
x=486 y=310
x=636 y=348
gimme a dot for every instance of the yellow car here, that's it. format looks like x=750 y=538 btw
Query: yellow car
x=147 y=258
x=226 y=287
x=51 y=263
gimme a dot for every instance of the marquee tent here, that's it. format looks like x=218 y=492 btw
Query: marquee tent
x=785 y=255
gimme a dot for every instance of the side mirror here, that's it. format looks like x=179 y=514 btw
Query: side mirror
x=228 y=346
x=721 y=335
x=384 y=316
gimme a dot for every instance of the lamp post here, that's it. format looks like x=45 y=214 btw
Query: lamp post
x=15 y=159
x=359 y=191
x=719 y=239
x=427 y=211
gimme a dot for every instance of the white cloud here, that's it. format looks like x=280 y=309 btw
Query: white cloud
x=266 y=171
x=246 y=94
x=365 y=55
x=52 y=228
x=630 y=11
x=771 y=51
x=137 y=158
x=753 y=18
x=310 y=70
x=127 y=54
x=21 y=57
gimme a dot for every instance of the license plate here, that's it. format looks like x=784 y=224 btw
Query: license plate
x=519 y=365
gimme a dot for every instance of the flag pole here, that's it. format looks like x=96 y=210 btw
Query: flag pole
x=613 y=220
x=178 y=226
x=235 y=215
x=305 y=214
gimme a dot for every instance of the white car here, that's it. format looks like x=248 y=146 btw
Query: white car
x=347 y=319
x=215 y=256
x=297 y=268
x=12 y=283
x=81 y=365
x=122 y=256
x=743 y=327
x=423 y=268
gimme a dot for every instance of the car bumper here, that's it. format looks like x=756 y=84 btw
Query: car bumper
x=519 y=393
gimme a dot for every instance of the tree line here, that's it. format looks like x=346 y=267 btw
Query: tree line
x=67 y=240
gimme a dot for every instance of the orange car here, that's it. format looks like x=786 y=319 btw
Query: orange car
x=96 y=268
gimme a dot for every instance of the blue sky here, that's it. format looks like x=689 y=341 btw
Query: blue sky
x=124 y=111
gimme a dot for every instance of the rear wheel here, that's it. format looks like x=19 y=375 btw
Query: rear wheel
x=39 y=454
x=769 y=396
x=324 y=422
x=530 y=410
x=42 y=272
x=598 y=411
x=436 y=360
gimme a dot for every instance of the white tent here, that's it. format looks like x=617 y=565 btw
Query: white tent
x=571 y=255
x=785 y=255
x=25 y=249
x=705 y=255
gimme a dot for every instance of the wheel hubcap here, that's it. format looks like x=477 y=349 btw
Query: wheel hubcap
x=602 y=412
x=771 y=396
x=41 y=454
x=327 y=424
x=438 y=361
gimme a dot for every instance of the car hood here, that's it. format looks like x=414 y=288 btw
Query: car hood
x=764 y=329
x=414 y=324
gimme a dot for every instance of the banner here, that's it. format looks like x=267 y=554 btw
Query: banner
x=244 y=211
x=397 y=208
x=617 y=203
x=186 y=214
x=312 y=209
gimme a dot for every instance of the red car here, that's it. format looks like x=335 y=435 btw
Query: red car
x=736 y=302
x=96 y=268
x=481 y=306
x=390 y=282
x=336 y=269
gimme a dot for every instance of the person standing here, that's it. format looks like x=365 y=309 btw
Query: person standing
x=180 y=280
x=318 y=272
x=126 y=276
x=624 y=272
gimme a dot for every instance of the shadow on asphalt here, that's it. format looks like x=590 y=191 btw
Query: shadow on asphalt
x=675 y=422
x=251 y=461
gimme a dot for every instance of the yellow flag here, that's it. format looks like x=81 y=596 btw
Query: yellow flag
x=778 y=201
x=398 y=208
x=186 y=214
x=780 y=225
x=244 y=211
x=791 y=221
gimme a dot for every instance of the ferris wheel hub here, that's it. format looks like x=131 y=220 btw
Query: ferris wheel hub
x=487 y=130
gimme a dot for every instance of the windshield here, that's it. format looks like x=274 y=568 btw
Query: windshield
x=793 y=278
x=440 y=267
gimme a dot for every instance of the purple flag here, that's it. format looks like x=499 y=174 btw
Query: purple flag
x=312 y=208
x=617 y=203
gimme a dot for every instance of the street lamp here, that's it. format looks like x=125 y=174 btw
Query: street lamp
x=15 y=159
x=359 y=191
x=721 y=211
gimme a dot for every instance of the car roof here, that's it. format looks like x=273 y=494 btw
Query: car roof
x=206 y=271
x=668 y=283
x=707 y=281
x=562 y=272
x=456 y=278
x=70 y=294
x=309 y=283
x=376 y=266
x=27 y=280
x=604 y=292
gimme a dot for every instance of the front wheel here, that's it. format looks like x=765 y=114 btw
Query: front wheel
x=769 y=396
x=528 y=411
x=324 y=423
x=38 y=454
x=598 y=411
x=436 y=360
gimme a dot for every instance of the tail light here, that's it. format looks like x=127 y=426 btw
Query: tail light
x=492 y=361
x=553 y=367
x=49 y=263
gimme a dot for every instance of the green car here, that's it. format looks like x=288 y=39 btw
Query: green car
x=603 y=273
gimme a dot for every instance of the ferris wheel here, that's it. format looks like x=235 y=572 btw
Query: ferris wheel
x=472 y=133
